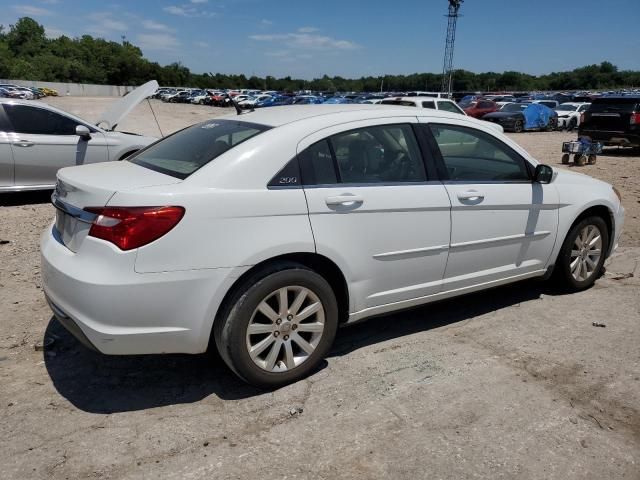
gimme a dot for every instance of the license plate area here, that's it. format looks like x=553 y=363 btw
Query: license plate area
x=70 y=231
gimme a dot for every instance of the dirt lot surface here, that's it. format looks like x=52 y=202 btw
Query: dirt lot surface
x=511 y=383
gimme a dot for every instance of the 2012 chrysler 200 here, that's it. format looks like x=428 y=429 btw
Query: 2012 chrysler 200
x=259 y=234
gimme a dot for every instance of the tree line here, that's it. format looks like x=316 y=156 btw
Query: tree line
x=27 y=54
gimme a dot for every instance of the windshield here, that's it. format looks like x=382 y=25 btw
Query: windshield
x=513 y=107
x=184 y=152
x=566 y=108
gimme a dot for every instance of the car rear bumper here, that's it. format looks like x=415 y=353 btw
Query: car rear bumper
x=104 y=303
x=612 y=138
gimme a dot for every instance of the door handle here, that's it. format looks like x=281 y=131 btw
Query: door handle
x=471 y=195
x=23 y=143
x=343 y=200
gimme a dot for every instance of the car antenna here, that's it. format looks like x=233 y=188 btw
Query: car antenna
x=154 y=117
x=239 y=111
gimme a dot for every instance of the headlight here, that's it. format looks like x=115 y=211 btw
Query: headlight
x=617 y=192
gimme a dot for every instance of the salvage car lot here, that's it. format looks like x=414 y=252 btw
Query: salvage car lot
x=515 y=382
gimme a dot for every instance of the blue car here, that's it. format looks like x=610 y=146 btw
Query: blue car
x=307 y=100
x=274 y=101
x=338 y=100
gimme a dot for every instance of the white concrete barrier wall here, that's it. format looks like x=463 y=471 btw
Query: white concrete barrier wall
x=76 y=89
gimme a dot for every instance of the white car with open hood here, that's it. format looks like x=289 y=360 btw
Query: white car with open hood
x=258 y=234
x=36 y=140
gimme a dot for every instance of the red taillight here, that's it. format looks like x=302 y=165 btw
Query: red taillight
x=582 y=117
x=635 y=118
x=133 y=227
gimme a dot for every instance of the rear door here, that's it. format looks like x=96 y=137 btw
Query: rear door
x=43 y=141
x=6 y=155
x=503 y=225
x=376 y=210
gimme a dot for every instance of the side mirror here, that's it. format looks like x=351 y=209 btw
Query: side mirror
x=543 y=174
x=83 y=132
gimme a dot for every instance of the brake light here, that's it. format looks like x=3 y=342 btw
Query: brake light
x=133 y=227
x=635 y=118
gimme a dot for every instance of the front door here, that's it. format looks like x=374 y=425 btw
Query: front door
x=503 y=225
x=374 y=210
x=44 y=141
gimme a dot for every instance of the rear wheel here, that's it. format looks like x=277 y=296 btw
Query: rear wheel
x=582 y=254
x=279 y=326
x=579 y=159
x=565 y=159
x=592 y=159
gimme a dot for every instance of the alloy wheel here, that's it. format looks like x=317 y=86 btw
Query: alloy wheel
x=586 y=253
x=285 y=329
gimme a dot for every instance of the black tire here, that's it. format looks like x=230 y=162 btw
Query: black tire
x=592 y=159
x=518 y=126
x=565 y=159
x=230 y=327
x=562 y=270
x=579 y=159
x=552 y=125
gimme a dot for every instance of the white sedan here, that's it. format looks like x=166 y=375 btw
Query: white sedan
x=260 y=234
x=569 y=114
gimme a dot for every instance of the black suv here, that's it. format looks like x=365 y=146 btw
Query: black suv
x=613 y=121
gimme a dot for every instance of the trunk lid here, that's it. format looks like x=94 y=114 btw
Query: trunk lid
x=93 y=185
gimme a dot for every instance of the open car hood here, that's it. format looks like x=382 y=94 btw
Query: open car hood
x=110 y=118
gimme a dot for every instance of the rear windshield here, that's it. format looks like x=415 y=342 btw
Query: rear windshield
x=184 y=152
x=614 y=106
x=404 y=103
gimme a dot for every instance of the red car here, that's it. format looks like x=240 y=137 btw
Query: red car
x=479 y=108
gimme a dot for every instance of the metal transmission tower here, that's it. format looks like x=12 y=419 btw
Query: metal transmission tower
x=447 y=68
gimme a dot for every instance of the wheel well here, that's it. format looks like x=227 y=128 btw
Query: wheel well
x=318 y=263
x=602 y=212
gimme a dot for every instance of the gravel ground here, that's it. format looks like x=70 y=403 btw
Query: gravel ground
x=511 y=383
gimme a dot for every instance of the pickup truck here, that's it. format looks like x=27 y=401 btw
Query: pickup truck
x=613 y=121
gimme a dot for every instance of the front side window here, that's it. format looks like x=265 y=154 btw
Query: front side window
x=39 y=121
x=470 y=155
x=379 y=154
x=184 y=152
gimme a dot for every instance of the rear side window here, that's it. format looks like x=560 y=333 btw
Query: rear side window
x=448 y=107
x=39 y=121
x=429 y=104
x=317 y=165
x=188 y=150
x=378 y=154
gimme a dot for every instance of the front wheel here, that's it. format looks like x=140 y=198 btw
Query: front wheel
x=278 y=327
x=582 y=254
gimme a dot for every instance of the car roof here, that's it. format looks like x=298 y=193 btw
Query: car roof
x=333 y=113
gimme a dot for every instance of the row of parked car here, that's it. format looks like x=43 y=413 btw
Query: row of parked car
x=8 y=90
